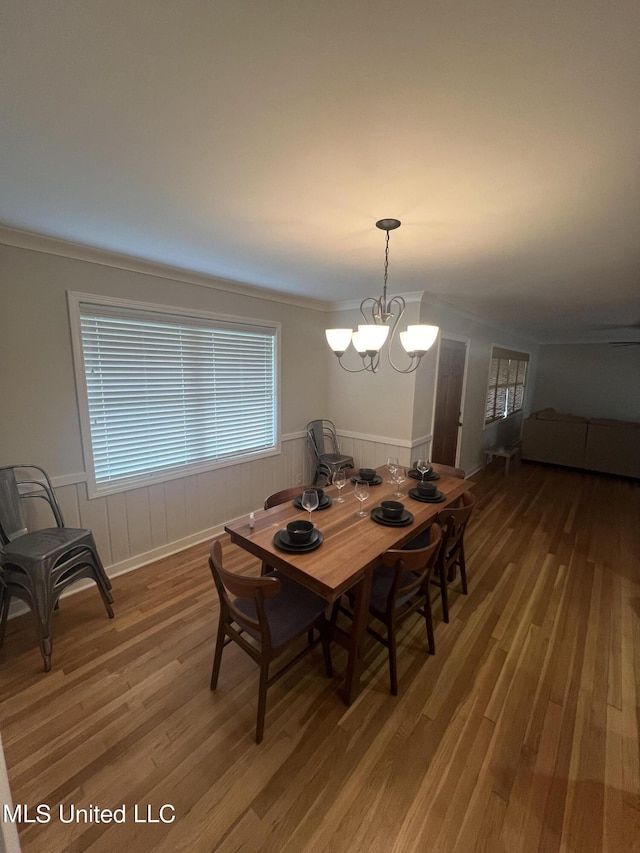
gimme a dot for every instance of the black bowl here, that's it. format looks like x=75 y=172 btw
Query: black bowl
x=427 y=490
x=392 y=509
x=367 y=474
x=300 y=531
x=319 y=491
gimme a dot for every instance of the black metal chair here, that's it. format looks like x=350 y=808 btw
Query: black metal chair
x=38 y=565
x=322 y=439
x=273 y=611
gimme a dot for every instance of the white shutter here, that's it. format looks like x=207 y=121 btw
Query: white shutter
x=167 y=392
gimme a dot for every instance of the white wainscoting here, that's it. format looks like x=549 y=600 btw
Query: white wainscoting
x=371 y=451
x=137 y=527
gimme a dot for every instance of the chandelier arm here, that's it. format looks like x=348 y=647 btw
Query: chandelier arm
x=371 y=367
x=350 y=369
x=375 y=304
x=414 y=362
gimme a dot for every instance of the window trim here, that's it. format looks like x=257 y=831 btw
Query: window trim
x=75 y=299
x=498 y=351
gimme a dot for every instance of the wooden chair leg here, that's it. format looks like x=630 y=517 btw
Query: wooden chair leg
x=325 y=634
x=262 y=699
x=393 y=669
x=428 y=618
x=443 y=594
x=217 y=657
x=463 y=571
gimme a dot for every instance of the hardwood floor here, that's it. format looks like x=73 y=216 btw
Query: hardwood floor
x=520 y=734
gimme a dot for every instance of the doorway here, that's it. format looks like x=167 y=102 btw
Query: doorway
x=448 y=412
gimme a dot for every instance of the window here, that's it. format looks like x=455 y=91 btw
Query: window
x=165 y=394
x=507 y=378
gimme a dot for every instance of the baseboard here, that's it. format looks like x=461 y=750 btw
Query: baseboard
x=125 y=566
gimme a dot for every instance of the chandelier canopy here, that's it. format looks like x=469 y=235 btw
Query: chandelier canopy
x=372 y=335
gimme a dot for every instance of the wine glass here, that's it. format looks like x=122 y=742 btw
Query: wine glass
x=361 y=491
x=310 y=501
x=423 y=466
x=340 y=481
x=392 y=462
x=399 y=476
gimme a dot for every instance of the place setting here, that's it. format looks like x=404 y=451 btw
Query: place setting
x=324 y=501
x=367 y=475
x=422 y=470
x=426 y=492
x=298 y=537
x=391 y=514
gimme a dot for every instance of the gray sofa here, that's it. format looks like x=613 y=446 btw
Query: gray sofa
x=597 y=444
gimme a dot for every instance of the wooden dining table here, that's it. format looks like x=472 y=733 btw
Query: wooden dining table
x=349 y=551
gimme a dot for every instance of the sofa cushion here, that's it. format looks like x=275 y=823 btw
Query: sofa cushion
x=560 y=442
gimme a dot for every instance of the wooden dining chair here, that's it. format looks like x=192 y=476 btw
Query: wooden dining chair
x=265 y=616
x=284 y=496
x=453 y=522
x=449 y=471
x=400 y=587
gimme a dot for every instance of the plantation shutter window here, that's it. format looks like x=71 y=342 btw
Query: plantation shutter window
x=167 y=393
x=507 y=379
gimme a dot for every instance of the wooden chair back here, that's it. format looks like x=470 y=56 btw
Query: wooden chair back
x=453 y=522
x=285 y=495
x=244 y=587
x=412 y=568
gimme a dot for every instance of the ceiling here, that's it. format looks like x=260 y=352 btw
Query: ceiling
x=260 y=141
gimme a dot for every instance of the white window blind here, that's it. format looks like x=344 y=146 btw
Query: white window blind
x=507 y=378
x=168 y=392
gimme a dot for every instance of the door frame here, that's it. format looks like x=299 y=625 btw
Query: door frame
x=464 y=339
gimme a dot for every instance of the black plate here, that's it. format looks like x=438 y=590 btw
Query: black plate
x=418 y=476
x=375 y=482
x=283 y=543
x=436 y=499
x=378 y=517
x=325 y=503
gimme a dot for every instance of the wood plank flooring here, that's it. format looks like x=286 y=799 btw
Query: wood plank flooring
x=520 y=734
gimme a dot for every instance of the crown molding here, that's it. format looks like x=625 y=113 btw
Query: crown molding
x=438 y=302
x=82 y=252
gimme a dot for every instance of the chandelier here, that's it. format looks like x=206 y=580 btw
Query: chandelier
x=371 y=335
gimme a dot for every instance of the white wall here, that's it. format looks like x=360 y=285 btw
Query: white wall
x=40 y=421
x=379 y=404
x=592 y=380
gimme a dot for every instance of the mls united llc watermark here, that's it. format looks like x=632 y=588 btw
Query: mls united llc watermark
x=70 y=813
